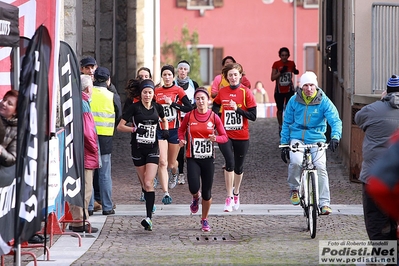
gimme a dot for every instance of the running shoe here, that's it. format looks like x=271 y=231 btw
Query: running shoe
x=228 y=207
x=194 y=206
x=142 y=198
x=205 y=225
x=167 y=199
x=173 y=180
x=294 y=197
x=325 y=210
x=154 y=208
x=180 y=179
x=147 y=224
x=236 y=202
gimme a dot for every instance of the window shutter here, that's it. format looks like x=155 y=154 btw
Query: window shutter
x=217 y=60
x=217 y=3
x=181 y=3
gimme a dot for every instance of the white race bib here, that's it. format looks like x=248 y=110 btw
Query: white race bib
x=285 y=79
x=170 y=113
x=149 y=137
x=203 y=148
x=232 y=120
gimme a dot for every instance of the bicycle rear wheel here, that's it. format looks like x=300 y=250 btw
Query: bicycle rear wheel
x=312 y=221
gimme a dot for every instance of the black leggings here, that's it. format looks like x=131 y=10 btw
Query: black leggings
x=379 y=226
x=180 y=159
x=200 y=171
x=282 y=99
x=234 y=152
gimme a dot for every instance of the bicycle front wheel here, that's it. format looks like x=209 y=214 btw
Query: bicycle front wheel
x=312 y=205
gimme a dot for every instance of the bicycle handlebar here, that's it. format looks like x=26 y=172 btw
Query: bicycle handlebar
x=300 y=147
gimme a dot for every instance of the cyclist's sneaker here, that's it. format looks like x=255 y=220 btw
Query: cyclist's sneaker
x=205 y=225
x=181 y=180
x=147 y=224
x=155 y=182
x=194 y=206
x=167 y=199
x=154 y=208
x=142 y=198
x=294 y=197
x=236 y=199
x=173 y=180
x=228 y=206
x=325 y=210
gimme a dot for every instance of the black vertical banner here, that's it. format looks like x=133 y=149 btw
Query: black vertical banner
x=71 y=109
x=33 y=135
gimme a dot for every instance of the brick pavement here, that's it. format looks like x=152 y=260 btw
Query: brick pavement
x=235 y=239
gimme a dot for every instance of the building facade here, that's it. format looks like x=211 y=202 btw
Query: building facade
x=358 y=47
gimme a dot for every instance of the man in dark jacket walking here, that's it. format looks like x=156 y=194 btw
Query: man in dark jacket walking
x=379 y=121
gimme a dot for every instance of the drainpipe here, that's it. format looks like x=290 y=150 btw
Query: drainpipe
x=352 y=52
x=97 y=51
x=157 y=47
x=114 y=45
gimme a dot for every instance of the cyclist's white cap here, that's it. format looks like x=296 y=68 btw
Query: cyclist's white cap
x=308 y=77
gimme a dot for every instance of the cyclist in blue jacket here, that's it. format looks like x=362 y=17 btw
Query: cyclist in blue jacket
x=305 y=120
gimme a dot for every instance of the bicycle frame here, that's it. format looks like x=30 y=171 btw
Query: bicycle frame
x=309 y=199
x=308 y=167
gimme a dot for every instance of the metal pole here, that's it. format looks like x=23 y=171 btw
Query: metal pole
x=157 y=46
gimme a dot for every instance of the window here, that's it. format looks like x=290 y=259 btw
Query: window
x=211 y=62
x=206 y=69
x=310 y=58
x=311 y=3
x=199 y=4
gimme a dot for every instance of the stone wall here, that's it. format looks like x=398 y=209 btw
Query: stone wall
x=105 y=30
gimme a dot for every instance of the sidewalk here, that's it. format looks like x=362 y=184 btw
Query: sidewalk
x=273 y=219
x=266 y=230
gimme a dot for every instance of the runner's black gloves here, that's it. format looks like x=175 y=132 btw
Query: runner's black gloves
x=284 y=69
x=333 y=145
x=141 y=131
x=165 y=133
x=285 y=154
x=296 y=71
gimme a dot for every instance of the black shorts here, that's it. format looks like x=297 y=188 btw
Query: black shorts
x=142 y=156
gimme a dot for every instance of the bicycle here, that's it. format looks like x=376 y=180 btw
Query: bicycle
x=308 y=189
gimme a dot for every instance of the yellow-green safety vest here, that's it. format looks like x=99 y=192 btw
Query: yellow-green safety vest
x=102 y=107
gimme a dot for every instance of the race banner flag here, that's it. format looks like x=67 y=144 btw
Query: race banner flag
x=33 y=134
x=71 y=109
x=9 y=25
x=7 y=189
x=7 y=212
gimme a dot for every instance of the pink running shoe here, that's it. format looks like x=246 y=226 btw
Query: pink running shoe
x=205 y=225
x=228 y=206
x=236 y=202
x=194 y=206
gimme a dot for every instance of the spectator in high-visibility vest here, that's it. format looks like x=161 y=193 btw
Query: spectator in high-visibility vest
x=106 y=109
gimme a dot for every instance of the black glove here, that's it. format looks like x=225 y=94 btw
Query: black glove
x=141 y=131
x=165 y=133
x=284 y=69
x=296 y=71
x=333 y=145
x=285 y=154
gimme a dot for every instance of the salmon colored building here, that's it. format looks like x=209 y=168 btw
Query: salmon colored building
x=251 y=31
